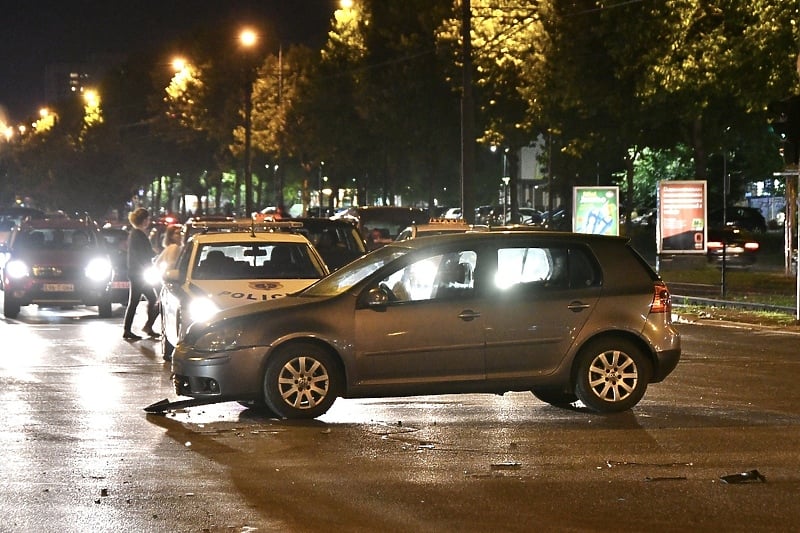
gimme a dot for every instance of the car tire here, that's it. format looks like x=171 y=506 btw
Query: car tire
x=611 y=375
x=10 y=307
x=166 y=347
x=104 y=310
x=556 y=397
x=302 y=380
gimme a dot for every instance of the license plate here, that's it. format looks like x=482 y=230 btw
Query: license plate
x=120 y=284
x=58 y=287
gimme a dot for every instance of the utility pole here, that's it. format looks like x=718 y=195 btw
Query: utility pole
x=467 y=118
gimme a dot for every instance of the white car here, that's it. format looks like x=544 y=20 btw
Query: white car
x=453 y=213
x=234 y=264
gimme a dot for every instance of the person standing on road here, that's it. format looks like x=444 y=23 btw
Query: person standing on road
x=140 y=259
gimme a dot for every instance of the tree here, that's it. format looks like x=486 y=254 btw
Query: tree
x=406 y=111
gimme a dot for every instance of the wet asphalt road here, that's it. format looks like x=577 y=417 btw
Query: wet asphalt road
x=78 y=453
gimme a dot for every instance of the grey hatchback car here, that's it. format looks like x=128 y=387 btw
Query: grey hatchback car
x=566 y=316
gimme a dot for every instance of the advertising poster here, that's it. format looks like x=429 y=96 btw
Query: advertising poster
x=681 y=227
x=595 y=210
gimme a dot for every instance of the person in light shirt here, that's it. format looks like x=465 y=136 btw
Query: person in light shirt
x=168 y=257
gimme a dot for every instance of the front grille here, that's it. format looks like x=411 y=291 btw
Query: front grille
x=47 y=271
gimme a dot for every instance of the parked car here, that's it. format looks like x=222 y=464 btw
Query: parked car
x=558 y=220
x=748 y=218
x=56 y=262
x=739 y=247
x=230 y=264
x=11 y=217
x=380 y=225
x=337 y=241
x=647 y=217
x=453 y=213
x=567 y=316
x=530 y=216
x=116 y=243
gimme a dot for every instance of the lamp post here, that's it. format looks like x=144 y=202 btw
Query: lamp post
x=506 y=179
x=319 y=190
x=248 y=39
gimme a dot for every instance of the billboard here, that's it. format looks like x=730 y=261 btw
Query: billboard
x=681 y=226
x=595 y=210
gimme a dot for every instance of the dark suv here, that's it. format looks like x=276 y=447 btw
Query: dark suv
x=56 y=262
x=747 y=218
x=567 y=316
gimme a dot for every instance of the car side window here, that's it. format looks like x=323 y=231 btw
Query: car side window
x=438 y=277
x=535 y=268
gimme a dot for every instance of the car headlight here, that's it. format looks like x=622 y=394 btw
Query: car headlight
x=202 y=308
x=152 y=275
x=230 y=336
x=16 y=269
x=221 y=340
x=98 y=269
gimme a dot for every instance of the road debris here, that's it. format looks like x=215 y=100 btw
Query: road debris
x=751 y=476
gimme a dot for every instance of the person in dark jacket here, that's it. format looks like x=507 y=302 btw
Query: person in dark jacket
x=140 y=259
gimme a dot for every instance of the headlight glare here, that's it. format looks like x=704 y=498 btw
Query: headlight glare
x=201 y=309
x=16 y=269
x=152 y=276
x=98 y=269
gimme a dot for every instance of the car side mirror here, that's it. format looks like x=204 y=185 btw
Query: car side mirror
x=377 y=297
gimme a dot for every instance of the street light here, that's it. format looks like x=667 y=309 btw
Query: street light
x=248 y=39
x=506 y=179
x=319 y=189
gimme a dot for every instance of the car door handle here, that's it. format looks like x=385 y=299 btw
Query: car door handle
x=468 y=314
x=577 y=306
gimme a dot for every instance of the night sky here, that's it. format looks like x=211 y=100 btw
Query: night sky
x=35 y=33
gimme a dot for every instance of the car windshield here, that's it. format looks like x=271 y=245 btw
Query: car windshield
x=256 y=260
x=347 y=276
x=56 y=239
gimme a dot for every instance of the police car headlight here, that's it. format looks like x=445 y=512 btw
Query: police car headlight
x=152 y=276
x=16 y=269
x=202 y=308
x=98 y=269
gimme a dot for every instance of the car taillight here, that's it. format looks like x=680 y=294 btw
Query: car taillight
x=662 y=301
x=751 y=246
x=714 y=245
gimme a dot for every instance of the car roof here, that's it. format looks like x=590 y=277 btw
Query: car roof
x=315 y=222
x=58 y=223
x=490 y=236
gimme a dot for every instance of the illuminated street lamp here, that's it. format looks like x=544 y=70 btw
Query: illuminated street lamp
x=506 y=179
x=319 y=188
x=248 y=39
x=178 y=64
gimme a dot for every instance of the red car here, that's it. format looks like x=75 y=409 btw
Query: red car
x=56 y=262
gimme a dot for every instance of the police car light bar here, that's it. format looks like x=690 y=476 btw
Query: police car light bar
x=247 y=224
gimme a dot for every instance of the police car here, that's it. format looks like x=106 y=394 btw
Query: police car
x=234 y=263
